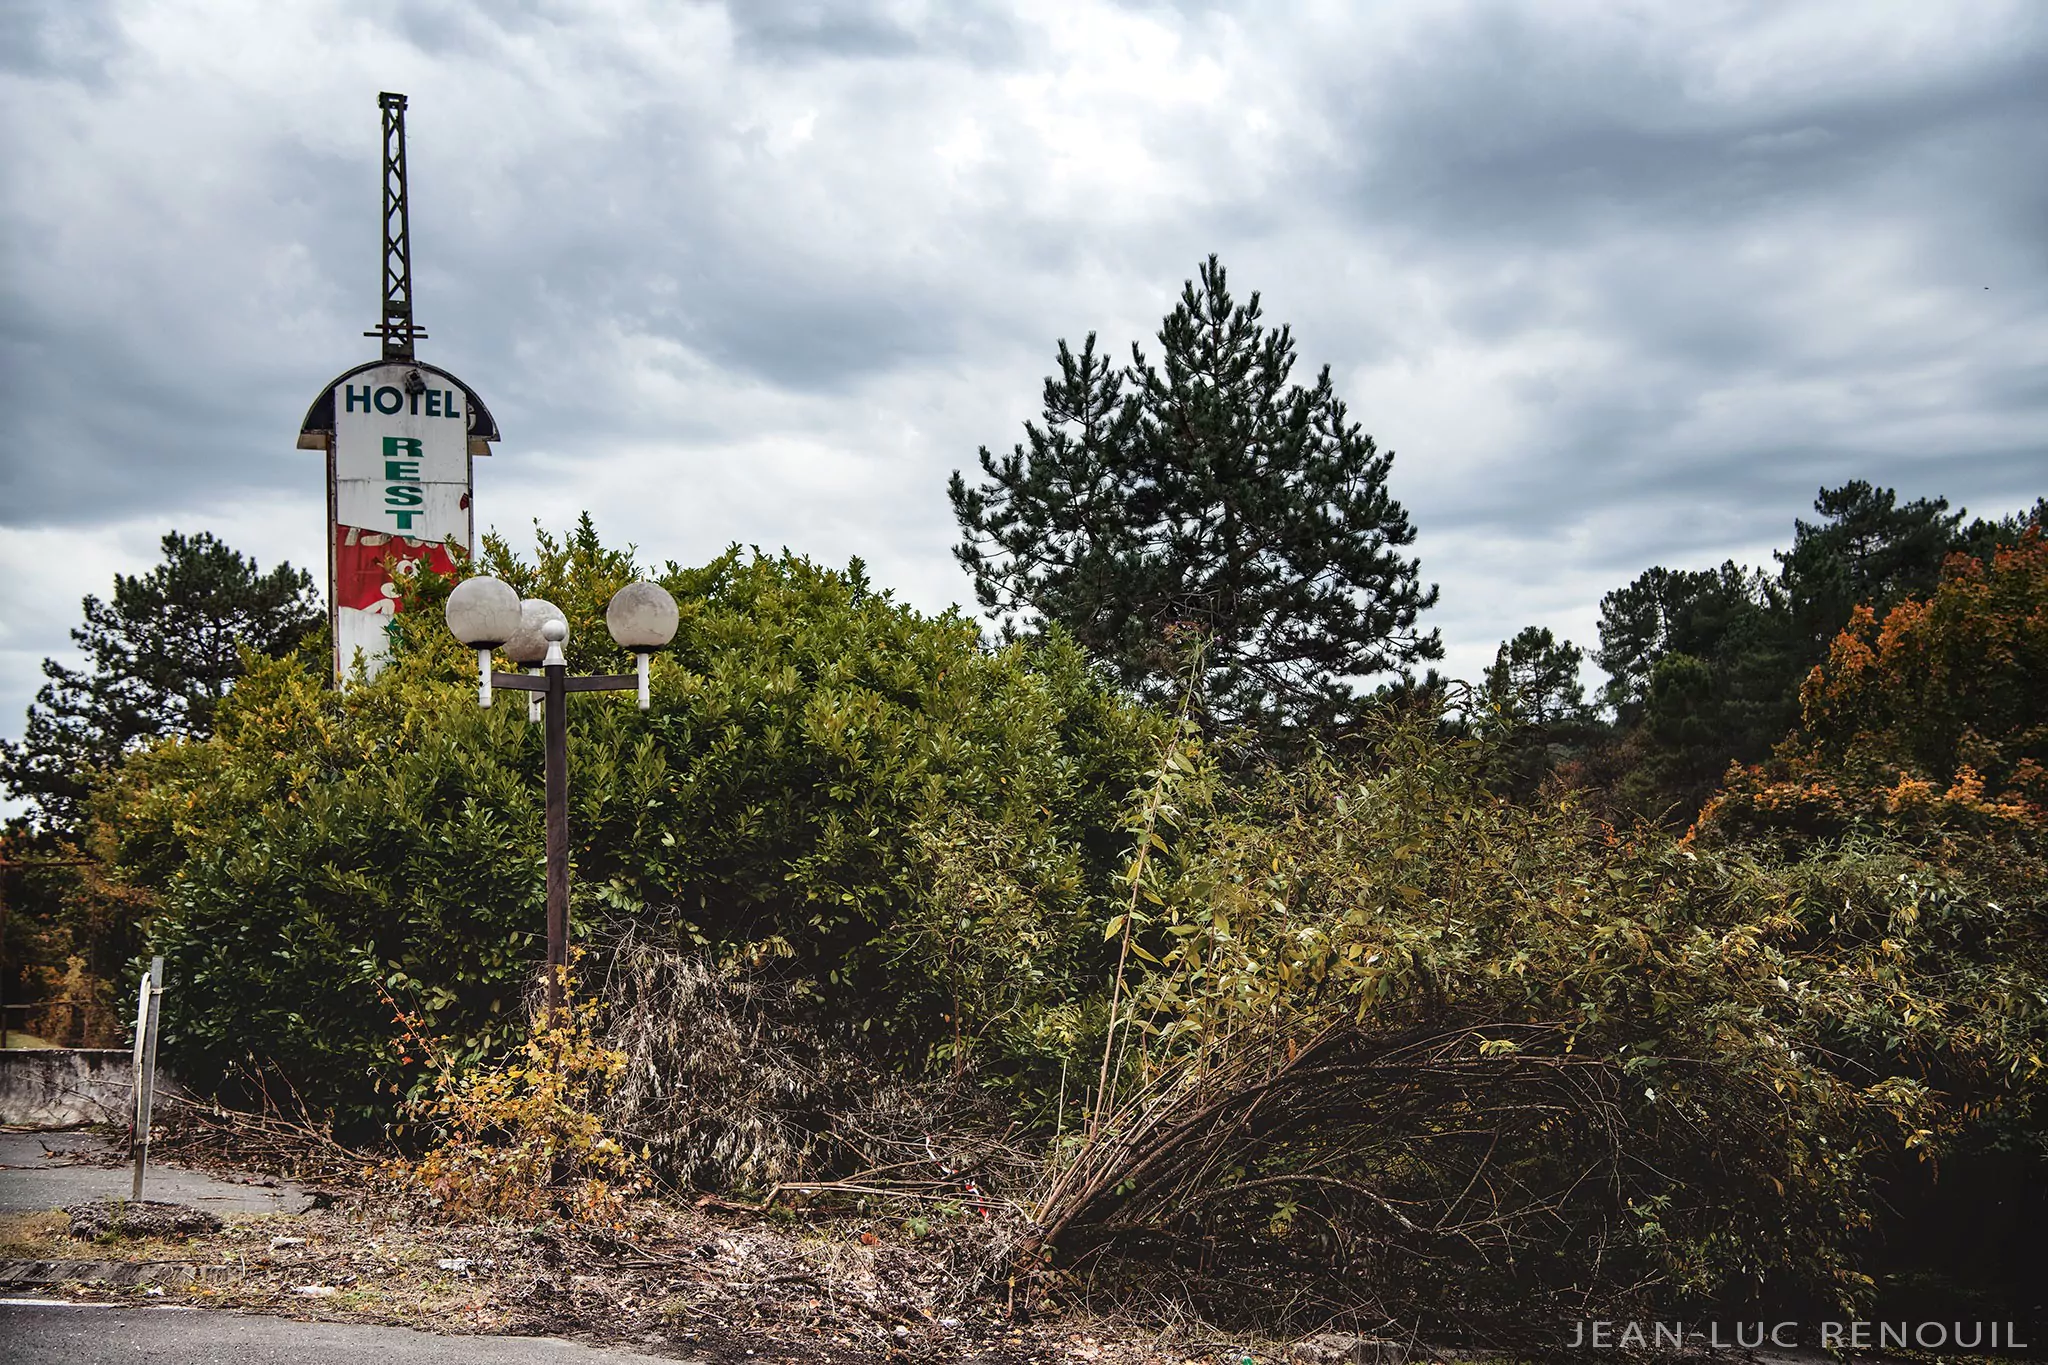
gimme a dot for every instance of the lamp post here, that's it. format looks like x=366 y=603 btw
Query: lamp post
x=486 y=614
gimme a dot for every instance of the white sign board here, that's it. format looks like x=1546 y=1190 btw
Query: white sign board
x=399 y=436
x=401 y=454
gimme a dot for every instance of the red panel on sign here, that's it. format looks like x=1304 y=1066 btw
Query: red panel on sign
x=361 y=577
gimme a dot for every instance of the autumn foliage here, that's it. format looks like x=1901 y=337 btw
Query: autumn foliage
x=1932 y=716
x=519 y=1137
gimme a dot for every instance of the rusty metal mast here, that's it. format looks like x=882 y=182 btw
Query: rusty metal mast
x=397 y=327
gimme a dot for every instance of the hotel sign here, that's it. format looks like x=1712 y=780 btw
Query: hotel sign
x=401 y=453
x=401 y=438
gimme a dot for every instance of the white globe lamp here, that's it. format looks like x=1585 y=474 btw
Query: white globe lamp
x=483 y=613
x=642 y=617
x=530 y=647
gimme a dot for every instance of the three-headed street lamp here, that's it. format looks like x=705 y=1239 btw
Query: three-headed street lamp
x=487 y=614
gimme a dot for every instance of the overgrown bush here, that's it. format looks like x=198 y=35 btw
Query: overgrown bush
x=1359 y=1035
x=812 y=743
x=733 y=1081
x=1400 y=1048
x=521 y=1137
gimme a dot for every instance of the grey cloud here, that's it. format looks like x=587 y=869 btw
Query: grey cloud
x=658 y=261
x=1549 y=189
x=1506 y=134
x=1664 y=314
x=617 y=233
x=809 y=30
x=445 y=29
x=72 y=42
x=139 y=387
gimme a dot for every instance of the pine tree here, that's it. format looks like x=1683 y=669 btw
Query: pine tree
x=1205 y=494
x=1534 y=679
x=1870 y=551
x=1052 y=533
x=1717 y=616
x=1533 y=711
x=161 y=654
x=1705 y=666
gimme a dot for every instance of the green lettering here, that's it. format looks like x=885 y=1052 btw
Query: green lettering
x=404 y=495
x=397 y=400
x=355 y=396
x=403 y=448
x=405 y=519
x=401 y=469
x=433 y=402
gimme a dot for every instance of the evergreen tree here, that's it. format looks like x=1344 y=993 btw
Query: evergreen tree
x=161 y=654
x=1533 y=710
x=1052 y=533
x=1709 y=615
x=1534 y=679
x=1982 y=540
x=1206 y=493
x=1699 y=671
x=1705 y=666
x=1870 y=551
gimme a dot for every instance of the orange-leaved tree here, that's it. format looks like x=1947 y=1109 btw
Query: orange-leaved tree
x=1936 y=714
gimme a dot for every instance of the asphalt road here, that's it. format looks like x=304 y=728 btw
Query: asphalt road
x=52 y=1169
x=37 y=1333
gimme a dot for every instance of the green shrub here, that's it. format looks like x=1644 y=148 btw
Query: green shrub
x=813 y=749
x=1352 y=1034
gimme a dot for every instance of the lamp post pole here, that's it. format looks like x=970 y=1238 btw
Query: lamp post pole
x=484 y=613
x=556 y=705
x=554 y=685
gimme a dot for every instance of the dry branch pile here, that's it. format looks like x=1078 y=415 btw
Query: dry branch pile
x=733 y=1086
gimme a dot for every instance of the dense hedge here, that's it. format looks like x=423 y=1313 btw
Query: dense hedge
x=814 y=749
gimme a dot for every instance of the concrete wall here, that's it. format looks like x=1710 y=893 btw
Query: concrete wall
x=53 y=1087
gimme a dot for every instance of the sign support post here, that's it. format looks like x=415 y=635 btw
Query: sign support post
x=148 y=1008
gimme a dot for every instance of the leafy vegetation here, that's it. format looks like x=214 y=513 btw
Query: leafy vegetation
x=162 y=651
x=1705 y=666
x=521 y=1138
x=1423 y=1028
x=813 y=749
x=1398 y=1044
x=1934 y=719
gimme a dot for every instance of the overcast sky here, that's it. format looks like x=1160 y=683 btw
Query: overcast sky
x=1621 y=284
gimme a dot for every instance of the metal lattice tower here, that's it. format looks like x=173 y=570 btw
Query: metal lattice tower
x=397 y=328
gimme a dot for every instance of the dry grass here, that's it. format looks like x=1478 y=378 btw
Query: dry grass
x=17 y=1039
x=698 y=1283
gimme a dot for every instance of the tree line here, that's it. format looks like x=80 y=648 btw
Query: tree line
x=1203 y=494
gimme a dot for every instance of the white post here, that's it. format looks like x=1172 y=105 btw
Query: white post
x=645 y=701
x=150 y=1006
x=141 y=1027
x=483 y=669
x=533 y=699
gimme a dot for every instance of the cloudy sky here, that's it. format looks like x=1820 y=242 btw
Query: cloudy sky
x=1621 y=283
